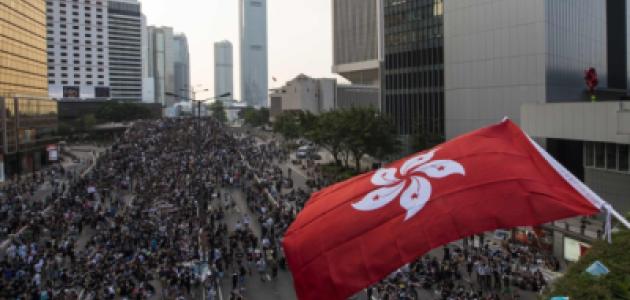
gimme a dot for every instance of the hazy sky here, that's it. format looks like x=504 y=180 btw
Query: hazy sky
x=299 y=36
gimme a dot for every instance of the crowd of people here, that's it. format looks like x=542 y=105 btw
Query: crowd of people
x=135 y=226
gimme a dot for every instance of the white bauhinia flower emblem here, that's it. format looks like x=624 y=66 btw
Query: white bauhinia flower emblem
x=413 y=190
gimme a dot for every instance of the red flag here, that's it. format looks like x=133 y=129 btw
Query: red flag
x=354 y=233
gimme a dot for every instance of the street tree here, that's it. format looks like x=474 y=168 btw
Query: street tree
x=288 y=125
x=328 y=132
x=366 y=131
x=218 y=111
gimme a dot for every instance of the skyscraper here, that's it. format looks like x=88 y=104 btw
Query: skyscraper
x=78 y=49
x=28 y=122
x=162 y=63
x=125 y=53
x=355 y=40
x=23 y=48
x=223 y=69
x=254 y=60
x=414 y=66
x=181 y=67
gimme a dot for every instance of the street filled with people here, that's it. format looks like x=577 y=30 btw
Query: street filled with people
x=158 y=217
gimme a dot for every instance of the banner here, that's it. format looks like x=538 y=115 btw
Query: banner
x=53 y=152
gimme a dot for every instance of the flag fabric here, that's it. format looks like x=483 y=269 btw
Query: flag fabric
x=352 y=234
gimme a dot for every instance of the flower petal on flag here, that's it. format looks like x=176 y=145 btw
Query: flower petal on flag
x=417 y=161
x=385 y=177
x=415 y=196
x=441 y=168
x=379 y=198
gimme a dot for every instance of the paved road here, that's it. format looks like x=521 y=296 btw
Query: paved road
x=279 y=289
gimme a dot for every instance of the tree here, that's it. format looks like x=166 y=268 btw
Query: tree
x=328 y=133
x=366 y=131
x=288 y=125
x=295 y=124
x=87 y=122
x=255 y=117
x=122 y=112
x=423 y=138
x=577 y=284
x=218 y=111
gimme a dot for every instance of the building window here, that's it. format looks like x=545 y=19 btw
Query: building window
x=624 y=156
x=588 y=154
x=611 y=156
x=600 y=155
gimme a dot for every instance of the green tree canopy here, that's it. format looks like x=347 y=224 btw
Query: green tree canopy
x=255 y=117
x=366 y=131
x=577 y=284
x=294 y=124
x=218 y=111
x=122 y=112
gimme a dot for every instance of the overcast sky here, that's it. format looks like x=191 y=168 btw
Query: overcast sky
x=299 y=36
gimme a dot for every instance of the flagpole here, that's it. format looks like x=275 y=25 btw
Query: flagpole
x=619 y=217
x=577 y=184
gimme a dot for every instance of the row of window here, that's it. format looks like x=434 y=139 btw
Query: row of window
x=76 y=54
x=76 y=62
x=76 y=75
x=87 y=69
x=609 y=156
x=64 y=82
x=76 y=34
x=75 y=48
x=63 y=4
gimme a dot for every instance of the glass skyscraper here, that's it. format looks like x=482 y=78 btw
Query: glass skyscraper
x=414 y=65
x=23 y=67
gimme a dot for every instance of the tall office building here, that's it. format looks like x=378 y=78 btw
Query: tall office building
x=78 y=49
x=23 y=48
x=503 y=54
x=168 y=66
x=148 y=82
x=526 y=60
x=125 y=50
x=355 y=40
x=223 y=69
x=28 y=121
x=254 y=59
x=181 y=68
x=413 y=92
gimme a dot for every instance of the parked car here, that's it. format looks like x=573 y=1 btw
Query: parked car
x=305 y=152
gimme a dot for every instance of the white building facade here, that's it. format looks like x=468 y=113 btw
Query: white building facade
x=254 y=57
x=223 y=69
x=78 y=49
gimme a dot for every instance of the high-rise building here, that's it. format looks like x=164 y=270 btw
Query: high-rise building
x=254 y=59
x=413 y=87
x=28 y=120
x=168 y=66
x=164 y=65
x=500 y=55
x=78 y=49
x=526 y=60
x=23 y=48
x=223 y=69
x=181 y=68
x=125 y=50
x=148 y=82
x=355 y=40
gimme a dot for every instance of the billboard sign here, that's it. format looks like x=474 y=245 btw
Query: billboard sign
x=53 y=152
